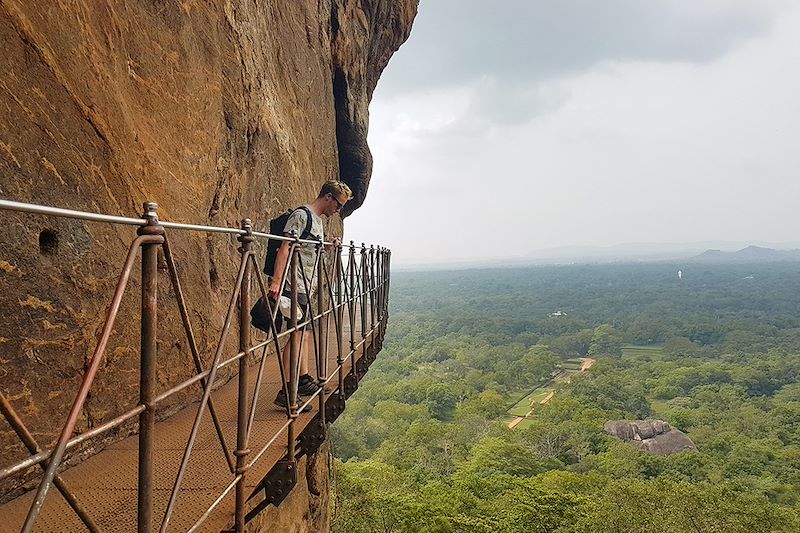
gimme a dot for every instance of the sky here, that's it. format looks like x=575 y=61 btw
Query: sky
x=503 y=128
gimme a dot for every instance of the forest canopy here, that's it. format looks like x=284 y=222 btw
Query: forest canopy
x=424 y=444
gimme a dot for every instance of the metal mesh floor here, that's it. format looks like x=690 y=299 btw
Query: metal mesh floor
x=106 y=483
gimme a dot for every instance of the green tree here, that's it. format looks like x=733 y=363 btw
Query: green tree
x=605 y=341
x=441 y=401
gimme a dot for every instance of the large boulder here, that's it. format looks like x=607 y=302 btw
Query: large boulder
x=217 y=110
x=653 y=436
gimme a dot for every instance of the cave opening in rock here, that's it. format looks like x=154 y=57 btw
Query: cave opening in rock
x=352 y=147
x=48 y=242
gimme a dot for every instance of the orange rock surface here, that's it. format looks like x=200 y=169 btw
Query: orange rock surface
x=217 y=110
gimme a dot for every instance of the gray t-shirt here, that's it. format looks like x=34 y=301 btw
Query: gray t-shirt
x=308 y=252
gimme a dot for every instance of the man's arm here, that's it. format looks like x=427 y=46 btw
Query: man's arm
x=334 y=242
x=294 y=226
x=280 y=267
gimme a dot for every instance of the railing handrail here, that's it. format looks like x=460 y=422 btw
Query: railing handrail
x=38 y=209
x=360 y=288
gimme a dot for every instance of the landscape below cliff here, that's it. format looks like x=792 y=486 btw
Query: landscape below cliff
x=425 y=444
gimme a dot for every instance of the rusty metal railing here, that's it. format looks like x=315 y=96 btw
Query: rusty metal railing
x=350 y=287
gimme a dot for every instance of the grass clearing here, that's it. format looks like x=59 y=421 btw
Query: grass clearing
x=632 y=350
x=523 y=407
x=524 y=423
x=543 y=393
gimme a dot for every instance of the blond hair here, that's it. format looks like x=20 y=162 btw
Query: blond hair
x=336 y=188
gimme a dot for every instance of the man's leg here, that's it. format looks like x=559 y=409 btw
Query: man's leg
x=302 y=388
x=304 y=349
x=306 y=385
x=306 y=340
x=287 y=357
x=307 y=351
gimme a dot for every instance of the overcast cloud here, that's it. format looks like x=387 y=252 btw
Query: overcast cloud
x=506 y=127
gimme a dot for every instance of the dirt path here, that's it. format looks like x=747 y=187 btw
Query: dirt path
x=586 y=364
x=517 y=420
x=514 y=423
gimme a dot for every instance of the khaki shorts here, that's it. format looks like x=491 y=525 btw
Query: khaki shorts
x=302 y=303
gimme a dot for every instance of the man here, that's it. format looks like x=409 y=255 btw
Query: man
x=332 y=197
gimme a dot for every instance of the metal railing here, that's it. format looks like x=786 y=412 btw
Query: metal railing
x=350 y=288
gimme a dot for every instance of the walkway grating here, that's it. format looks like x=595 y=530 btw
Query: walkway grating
x=106 y=483
x=105 y=487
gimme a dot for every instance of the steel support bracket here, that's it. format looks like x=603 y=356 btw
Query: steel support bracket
x=311 y=438
x=362 y=365
x=277 y=484
x=350 y=385
x=334 y=407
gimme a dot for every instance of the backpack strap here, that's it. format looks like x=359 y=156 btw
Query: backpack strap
x=309 y=221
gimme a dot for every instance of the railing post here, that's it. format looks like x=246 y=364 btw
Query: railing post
x=387 y=255
x=322 y=344
x=388 y=260
x=294 y=347
x=340 y=315
x=379 y=281
x=372 y=289
x=352 y=305
x=387 y=278
x=242 y=436
x=364 y=285
x=147 y=365
x=379 y=291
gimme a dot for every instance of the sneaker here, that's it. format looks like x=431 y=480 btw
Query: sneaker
x=280 y=401
x=307 y=387
x=310 y=385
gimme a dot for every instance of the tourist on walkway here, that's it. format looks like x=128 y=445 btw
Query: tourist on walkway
x=332 y=197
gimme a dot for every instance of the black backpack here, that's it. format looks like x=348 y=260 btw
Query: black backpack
x=259 y=314
x=276 y=227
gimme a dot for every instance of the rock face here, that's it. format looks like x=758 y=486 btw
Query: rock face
x=305 y=509
x=217 y=110
x=653 y=436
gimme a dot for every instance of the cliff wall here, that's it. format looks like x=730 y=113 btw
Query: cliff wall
x=217 y=110
x=307 y=508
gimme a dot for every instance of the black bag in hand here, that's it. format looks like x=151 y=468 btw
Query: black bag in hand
x=260 y=316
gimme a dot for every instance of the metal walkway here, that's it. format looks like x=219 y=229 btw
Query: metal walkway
x=232 y=452
x=106 y=483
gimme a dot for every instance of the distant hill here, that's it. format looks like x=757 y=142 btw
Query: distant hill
x=751 y=254
x=642 y=251
x=702 y=251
